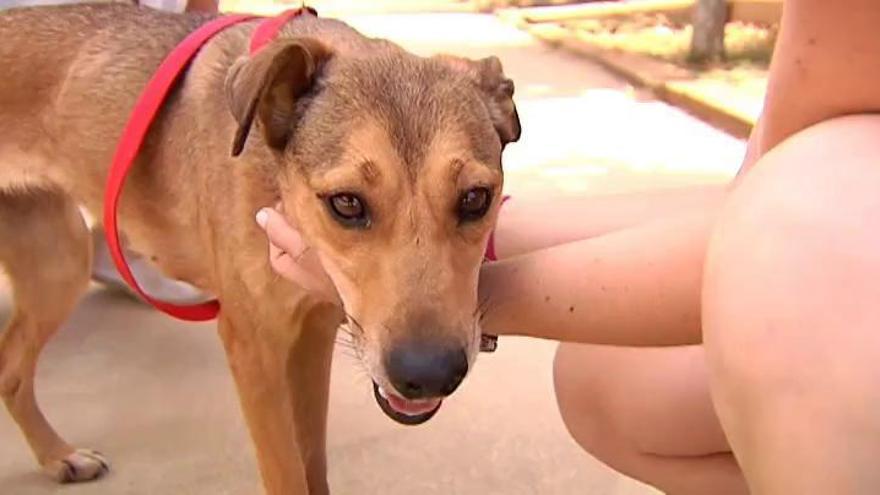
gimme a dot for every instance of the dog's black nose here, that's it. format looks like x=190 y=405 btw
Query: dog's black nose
x=420 y=370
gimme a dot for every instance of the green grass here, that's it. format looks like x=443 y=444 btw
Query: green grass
x=656 y=36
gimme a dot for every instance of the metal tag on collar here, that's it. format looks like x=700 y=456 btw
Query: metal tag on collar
x=488 y=343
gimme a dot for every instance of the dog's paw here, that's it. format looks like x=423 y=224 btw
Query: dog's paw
x=81 y=465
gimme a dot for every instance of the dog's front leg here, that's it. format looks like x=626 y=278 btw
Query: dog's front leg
x=309 y=382
x=259 y=367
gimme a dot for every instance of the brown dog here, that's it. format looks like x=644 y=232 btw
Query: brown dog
x=390 y=164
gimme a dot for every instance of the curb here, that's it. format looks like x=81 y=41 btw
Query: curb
x=707 y=110
x=657 y=76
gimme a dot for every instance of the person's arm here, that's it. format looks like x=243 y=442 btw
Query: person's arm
x=826 y=64
x=639 y=286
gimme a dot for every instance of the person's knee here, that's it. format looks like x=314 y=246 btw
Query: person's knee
x=604 y=426
x=583 y=403
x=794 y=251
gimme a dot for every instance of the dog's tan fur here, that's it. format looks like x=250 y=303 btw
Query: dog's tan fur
x=331 y=110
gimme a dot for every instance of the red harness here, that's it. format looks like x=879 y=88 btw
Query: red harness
x=135 y=131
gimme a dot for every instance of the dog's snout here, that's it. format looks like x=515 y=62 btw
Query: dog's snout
x=421 y=369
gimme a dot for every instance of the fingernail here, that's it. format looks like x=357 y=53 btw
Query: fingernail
x=262 y=218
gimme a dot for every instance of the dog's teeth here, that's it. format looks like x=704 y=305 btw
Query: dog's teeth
x=383 y=393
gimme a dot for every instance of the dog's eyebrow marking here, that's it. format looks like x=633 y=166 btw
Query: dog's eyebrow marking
x=369 y=171
x=455 y=168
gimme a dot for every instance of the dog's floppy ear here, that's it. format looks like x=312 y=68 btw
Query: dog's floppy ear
x=266 y=86
x=497 y=90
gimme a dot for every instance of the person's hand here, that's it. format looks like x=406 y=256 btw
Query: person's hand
x=292 y=258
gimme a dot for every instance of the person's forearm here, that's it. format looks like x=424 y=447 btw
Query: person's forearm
x=526 y=224
x=639 y=286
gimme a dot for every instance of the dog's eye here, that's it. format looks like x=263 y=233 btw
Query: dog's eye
x=474 y=203
x=349 y=210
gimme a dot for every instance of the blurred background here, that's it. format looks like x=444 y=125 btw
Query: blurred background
x=613 y=97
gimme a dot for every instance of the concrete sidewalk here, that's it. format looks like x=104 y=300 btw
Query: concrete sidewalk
x=154 y=394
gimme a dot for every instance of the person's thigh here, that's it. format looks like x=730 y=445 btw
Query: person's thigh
x=791 y=313
x=646 y=412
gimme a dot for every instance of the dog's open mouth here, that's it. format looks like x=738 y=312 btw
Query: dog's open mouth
x=406 y=412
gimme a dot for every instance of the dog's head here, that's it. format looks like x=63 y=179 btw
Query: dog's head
x=390 y=166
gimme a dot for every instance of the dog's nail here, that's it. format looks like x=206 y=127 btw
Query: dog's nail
x=262 y=218
x=69 y=471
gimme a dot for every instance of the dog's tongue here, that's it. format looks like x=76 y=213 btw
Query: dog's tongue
x=413 y=408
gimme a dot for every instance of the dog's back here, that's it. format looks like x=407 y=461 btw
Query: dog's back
x=71 y=76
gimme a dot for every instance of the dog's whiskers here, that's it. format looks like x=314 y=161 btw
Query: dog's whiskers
x=349 y=355
x=345 y=338
x=352 y=333
x=347 y=347
x=353 y=321
x=345 y=328
x=362 y=374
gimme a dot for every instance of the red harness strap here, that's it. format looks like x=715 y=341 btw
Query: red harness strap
x=138 y=125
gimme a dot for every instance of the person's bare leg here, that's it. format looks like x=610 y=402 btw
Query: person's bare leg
x=646 y=412
x=791 y=313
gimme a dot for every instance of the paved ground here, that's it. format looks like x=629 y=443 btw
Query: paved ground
x=154 y=394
